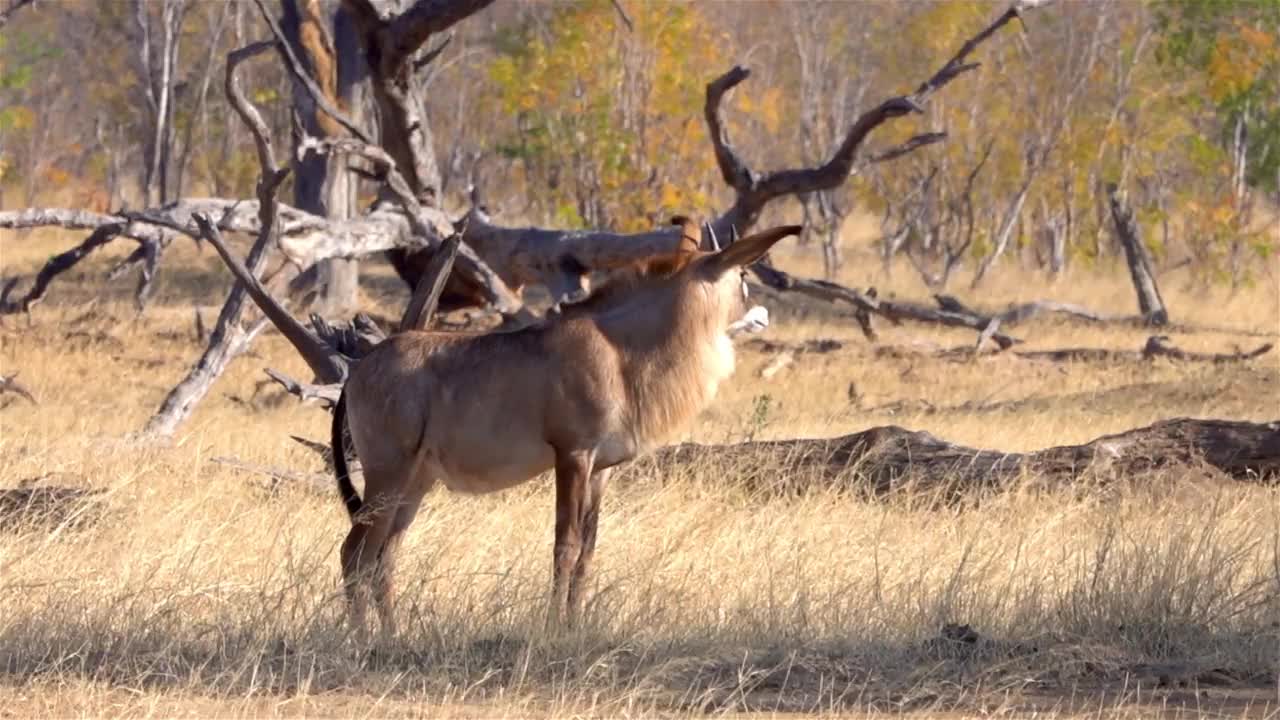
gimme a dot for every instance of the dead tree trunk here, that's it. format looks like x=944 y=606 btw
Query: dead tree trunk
x=1150 y=304
x=391 y=42
x=340 y=277
x=322 y=183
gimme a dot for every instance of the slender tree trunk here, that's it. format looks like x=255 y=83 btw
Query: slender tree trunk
x=1006 y=231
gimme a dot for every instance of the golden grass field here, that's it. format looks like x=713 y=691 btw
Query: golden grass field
x=196 y=589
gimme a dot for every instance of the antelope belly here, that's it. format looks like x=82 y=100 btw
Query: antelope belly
x=496 y=467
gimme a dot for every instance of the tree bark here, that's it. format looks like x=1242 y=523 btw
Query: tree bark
x=322 y=183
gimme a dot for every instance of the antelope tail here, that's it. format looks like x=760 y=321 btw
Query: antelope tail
x=350 y=497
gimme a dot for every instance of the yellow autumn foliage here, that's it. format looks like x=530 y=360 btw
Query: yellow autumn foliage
x=609 y=122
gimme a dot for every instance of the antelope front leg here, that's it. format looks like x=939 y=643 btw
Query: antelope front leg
x=573 y=473
x=590 y=526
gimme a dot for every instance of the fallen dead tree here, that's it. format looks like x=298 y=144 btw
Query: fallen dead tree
x=886 y=459
x=951 y=312
x=868 y=304
x=1157 y=346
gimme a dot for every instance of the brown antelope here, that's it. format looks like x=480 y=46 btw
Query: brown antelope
x=579 y=394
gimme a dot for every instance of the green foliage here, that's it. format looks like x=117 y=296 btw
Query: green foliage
x=21 y=54
x=1229 y=50
x=607 y=126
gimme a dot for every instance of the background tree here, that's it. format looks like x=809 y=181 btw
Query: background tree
x=323 y=36
x=606 y=130
x=1224 y=61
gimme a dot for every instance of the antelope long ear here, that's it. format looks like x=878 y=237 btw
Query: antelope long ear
x=750 y=249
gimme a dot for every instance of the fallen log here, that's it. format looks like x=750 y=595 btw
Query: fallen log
x=888 y=459
x=892 y=310
x=36 y=506
x=1156 y=346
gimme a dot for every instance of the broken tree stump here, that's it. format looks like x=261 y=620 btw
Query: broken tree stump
x=1150 y=304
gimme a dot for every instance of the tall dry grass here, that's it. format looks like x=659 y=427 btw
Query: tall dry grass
x=190 y=587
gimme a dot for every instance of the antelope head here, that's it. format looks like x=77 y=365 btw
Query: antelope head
x=723 y=272
x=716 y=277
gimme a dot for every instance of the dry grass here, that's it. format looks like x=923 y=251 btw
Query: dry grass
x=191 y=588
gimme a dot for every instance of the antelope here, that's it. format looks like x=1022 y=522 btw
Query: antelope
x=579 y=394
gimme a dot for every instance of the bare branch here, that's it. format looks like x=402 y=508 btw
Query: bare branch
x=429 y=56
x=1026 y=311
x=617 y=5
x=754 y=191
x=73 y=219
x=14 y=6
x=59 y=264
x=1156 y=346
x=326 y=394
x=892 y=310
x=229 y=338
x=299 y=73
x=9 y=383
x=403 y=35
x=305 y=238
x=328 y=365
x=1150 y=304
x=251 y=117
x=320 y=448
x=911 y=145
x=734 y=171
x=150 y=260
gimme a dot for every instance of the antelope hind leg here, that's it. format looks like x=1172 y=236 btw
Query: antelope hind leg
x=360 y=552
x=389 y=503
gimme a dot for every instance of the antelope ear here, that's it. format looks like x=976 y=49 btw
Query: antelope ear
x=749 y=249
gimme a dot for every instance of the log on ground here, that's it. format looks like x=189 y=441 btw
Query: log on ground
x=885 y=459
